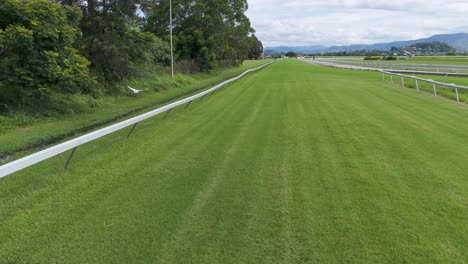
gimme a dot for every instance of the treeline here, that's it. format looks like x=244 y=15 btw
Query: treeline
x=422 y=48
x=435 y=46
x=426 y=48
x=50 y=50
x=352 y=53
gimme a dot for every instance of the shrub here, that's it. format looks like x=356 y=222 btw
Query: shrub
x=372 y=58
x=390 y=58
x=37 y=58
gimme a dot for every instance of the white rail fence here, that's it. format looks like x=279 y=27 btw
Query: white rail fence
x=418 y=79
x=400 y=66
x=30 y=160
x=391 y=74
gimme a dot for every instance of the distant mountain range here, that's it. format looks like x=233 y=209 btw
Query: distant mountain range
x=459 y=41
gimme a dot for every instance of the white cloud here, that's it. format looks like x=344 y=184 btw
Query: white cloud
x=418 y=6
x=338 y=22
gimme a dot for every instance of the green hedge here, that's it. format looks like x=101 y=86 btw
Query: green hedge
x=372 y=58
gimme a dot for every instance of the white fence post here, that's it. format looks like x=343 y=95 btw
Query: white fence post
x=458 y=97
x=435 y=91
x=402 y=81
x=417 y=86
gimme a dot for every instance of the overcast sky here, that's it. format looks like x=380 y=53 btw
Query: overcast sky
x=342 y=22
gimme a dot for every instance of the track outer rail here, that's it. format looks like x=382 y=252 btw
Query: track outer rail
x=30 y=160
x=434 y=83
x=450 y=85
x=439 y=68
x=390 y=73
x=369 y=68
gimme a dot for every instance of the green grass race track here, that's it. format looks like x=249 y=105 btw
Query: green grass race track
x=293 y=164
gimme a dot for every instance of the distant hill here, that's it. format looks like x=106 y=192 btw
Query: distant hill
x=297 y=49
x=459 y=41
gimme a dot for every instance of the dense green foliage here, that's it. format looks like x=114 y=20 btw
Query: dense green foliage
x=293 y=164
x=114 y=43
x=256 y=50
x=37 y=58
x=436 y=47
x=291 y=54
x=372 y=58
x=386 y=58
x=425 y=48
x=390 y=58
x=207 y=33
x=57 y=53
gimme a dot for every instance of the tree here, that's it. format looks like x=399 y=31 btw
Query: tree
x=291 y=54
x=114 y=42
x=434 y=47
x=256 y=49
x=205 y=32
x=52 y=49
x=37 y=57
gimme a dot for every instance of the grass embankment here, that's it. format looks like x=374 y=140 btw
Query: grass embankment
x=21 y=131
x=295 y=163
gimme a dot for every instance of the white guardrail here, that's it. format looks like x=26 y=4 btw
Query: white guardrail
x=48 y=153
x=391 y=74
x=399 y=66
x=434 y=83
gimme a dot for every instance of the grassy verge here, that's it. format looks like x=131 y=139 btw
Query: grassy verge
x=19 y=132
x=293 y=164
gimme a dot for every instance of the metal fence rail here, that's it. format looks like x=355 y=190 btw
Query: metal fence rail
x=417 y=79
x=391 y=74
x=48 y=153
x=399 y=66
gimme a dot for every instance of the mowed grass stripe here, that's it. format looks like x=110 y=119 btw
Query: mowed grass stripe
x=295 y=163
x=132 y=160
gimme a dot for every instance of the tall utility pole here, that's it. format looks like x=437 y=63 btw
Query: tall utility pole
x=172 y=44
